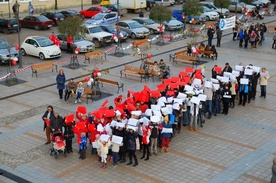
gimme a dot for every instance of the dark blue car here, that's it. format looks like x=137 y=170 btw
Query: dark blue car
x=110 y=28
x=178 y=14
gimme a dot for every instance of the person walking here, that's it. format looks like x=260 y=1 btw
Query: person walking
x=241 y=36
x=60 y=79
x=69 y=41
x=46 y=118
x=264 y=76
x=210 y=34
x=131 y=146
x=273 y=178
x=219 y=34
x=246 y=37
x=274 y=40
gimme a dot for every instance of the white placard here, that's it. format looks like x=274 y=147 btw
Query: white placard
x=227 y=74
x=208 y=84
x=145 y=121
x=95 y=145
x=176 y=106
x=104 y=137
x=136 y=113
x=248 y=71
x=100 y=128
x=226 y=96
x=188 y=88
x=117 y=139
x=165 y=111
x=224 y=79
x=195 y=100
x=181 y=95
x=235 y=73
x=190 y=92
x=108 y=129
x=216 y=86
x=132 y=122
x=155 y=107
x=197 y=82
x=239 y=68
x=131 y=127
x=148 y=112
x=169 y=108
x=249 y=67
x=256 y=69
x=167 y=130
x=263 y=74
x=157 y=113
x=155 y=119
x=113 y=123
x=179 y=101
x=120 y=125
x=162 y=99
x=202 y=97
x=161 y=103
x=214 y=80
x=170 y=100
x=227 y=23
x=244 y=81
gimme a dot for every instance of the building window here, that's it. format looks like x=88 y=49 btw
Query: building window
x=4 y=1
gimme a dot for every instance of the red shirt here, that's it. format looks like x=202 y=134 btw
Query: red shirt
x=69 y=39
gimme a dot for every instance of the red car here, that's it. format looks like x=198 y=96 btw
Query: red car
x=94 y=10
x=36 y=22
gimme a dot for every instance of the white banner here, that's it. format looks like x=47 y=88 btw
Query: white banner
x=227 y=23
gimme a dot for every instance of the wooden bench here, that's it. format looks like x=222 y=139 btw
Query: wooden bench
x=87 y=94
x=212 y=24
x=135 y=72
x=111 y=83
x=172 y=56
x=271 y=28
x=42 y=67
x=97 y=54
x=141 y=43
x=184 y=58
x=206 y=54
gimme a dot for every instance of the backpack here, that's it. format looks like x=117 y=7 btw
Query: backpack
x=252 y=34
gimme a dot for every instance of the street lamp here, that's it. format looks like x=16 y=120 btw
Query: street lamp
x=15 y=9
x=81 y=4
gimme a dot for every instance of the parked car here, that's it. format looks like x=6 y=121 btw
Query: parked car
x=223 y=12
x=110 y=28
x=57 y=17
x=149 y=24
x=41 y=47
x=163 y=2
x=150 y=4
x=178 y=14
x=36 y=22
x=103 y=18
x=94 y=10
x=7 y=51
x=238 y=7
x=258 y=4
x=173 y=25
x=119 y=9
x=266 y=3
x=72 y=13
x=210 y=14
x=134 y=29
x=97 y=35
x=8 y=25
x=79 y=42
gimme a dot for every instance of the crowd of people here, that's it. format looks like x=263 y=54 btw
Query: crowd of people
x=150 y=118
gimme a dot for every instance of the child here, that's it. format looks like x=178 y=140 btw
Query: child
x=104 y=151
x=79 y=92
x=115 y=152
x=82 y=146
x=165 y=136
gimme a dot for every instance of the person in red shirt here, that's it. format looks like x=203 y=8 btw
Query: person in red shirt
x=69 y=43
x=52 y=37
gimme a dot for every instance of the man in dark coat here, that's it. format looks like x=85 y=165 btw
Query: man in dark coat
x=210 y=34
x=46 y=118
x=227 y=68
x=219 y=34
x=56 y=123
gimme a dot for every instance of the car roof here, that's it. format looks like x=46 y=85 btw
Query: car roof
x=127 y=21
x=7 y=18
x=142 y=18
x=91 y=25
x=107 y=13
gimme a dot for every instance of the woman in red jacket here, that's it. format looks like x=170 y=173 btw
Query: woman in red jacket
x=69 y=43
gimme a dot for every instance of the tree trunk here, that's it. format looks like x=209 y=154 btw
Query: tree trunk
x=56 y=7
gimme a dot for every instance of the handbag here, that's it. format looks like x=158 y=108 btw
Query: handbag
x=137 y=144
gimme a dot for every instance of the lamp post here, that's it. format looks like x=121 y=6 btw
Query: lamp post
x=119 y=46
x=81 y=4
x=236 y=7
x=9 y=5
x=15 y=9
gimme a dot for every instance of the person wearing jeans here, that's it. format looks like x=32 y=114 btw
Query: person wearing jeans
x=165 y=136
x=264 y=76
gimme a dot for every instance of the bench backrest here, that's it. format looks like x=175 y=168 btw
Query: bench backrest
x=96 y=52
x=87 y=90
x=150 y=63
x=140 y=42
x=135 y=69
x=108 y=81
x=77 y=82
x=181 y=52
x=42 y=65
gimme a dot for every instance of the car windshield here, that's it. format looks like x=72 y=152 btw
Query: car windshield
x=104 y=9
x=42 y=18
x=98 y=17
x=134 y=25
x=72 y=12
x=205 y=9
x=78 y=38
x=13 y=21
x=242 y=4
x=58 y=15
x=149 y=21
x=116 y=7
x=4 y=45
x=95 y=29
x=110 y=28
x=44 y=41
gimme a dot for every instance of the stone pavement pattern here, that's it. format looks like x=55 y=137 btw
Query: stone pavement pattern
x=234 y=148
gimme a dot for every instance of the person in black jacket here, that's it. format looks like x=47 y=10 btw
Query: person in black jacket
x=154 y=138
x=123 y=149
x=68 y=135
x=226 y=97
x=46 y=118
x=56 y=123
x=210 y=34
x=246 y=37
x=227 y=68
x=131 y=146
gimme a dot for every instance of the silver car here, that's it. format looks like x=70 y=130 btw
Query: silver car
x=134 y=29
x=240 y=5
x=83 y=45
x=173 y=25
x=7 y=51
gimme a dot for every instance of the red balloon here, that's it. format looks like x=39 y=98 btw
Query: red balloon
x=16 y=47
x=87 y=79
x=148 y=56
x=13 y=62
